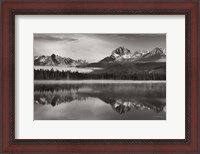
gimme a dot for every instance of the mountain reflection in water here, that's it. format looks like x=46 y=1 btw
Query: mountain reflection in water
x=114 y=101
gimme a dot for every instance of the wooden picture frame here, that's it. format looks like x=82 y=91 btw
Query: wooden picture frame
x=12 y=8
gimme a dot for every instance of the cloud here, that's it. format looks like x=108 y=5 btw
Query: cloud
x=52 y=37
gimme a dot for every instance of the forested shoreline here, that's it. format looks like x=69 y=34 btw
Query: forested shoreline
x=42 y=74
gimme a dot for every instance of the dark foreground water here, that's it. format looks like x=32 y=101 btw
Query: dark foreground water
x=55 y=100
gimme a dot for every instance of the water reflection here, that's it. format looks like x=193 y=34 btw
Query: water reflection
x=100 y=101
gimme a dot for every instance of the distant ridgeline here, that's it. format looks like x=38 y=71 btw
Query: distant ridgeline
x=122 y=64
x=68 y=75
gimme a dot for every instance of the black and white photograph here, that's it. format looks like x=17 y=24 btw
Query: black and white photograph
x=88 y=76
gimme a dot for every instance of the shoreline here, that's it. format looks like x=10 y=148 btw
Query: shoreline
x=96 y=81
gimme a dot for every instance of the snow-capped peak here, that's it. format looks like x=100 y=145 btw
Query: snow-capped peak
x=56 y=60
x=121 y=52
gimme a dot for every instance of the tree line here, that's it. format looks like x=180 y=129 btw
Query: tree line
x=42 y=74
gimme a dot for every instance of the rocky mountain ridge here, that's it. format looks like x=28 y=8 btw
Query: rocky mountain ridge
x=123 y=54
x=56 y=60
x=120 y=54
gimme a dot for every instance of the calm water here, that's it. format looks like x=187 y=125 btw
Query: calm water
x=102 y=100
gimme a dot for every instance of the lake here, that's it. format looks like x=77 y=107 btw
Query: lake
x=99 y=100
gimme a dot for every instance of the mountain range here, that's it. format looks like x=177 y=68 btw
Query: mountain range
x=119 y=55
x=123 y=54
x=55 y=60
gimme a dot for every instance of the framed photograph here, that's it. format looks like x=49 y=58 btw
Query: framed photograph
x=100 y=77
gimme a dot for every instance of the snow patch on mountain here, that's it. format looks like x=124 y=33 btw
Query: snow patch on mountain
x=122 y=54
x=56 y=60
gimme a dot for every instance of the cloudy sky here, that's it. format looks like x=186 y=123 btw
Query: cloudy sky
x=94 y=47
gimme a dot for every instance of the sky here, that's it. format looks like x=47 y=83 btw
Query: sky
x=93 y=47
